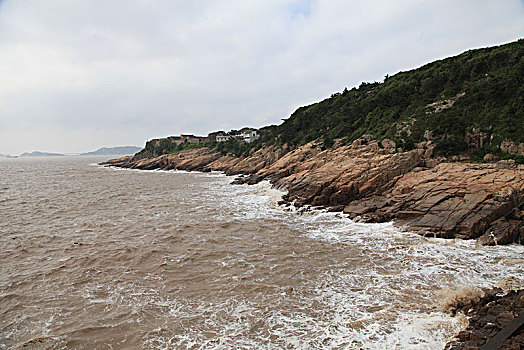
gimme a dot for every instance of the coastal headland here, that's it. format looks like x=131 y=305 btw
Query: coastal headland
x=438 y=150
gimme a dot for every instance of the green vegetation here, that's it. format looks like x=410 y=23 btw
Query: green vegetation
x=479 y=153
x=479 y=92
x=480 y=89
x=235 y=147
x=166 y=146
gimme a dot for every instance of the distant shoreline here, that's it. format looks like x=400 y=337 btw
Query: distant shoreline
x=104 y=151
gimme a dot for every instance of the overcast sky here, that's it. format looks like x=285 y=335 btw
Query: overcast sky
x=79 y=75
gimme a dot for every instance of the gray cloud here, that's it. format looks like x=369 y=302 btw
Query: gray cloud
x=84 y=74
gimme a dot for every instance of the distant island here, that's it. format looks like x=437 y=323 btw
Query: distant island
x=6 y=156
x=121 y=150
x=41 y=154
x=104 y=151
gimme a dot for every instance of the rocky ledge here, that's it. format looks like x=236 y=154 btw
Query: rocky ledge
x=494 y=322
x=374 y=183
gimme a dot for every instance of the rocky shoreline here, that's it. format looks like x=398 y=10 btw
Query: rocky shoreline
x=373 y=183
x=490 y=317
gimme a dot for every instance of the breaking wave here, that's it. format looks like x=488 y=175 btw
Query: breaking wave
x=100 y=257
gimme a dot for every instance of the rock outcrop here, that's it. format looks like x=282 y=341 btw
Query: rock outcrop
x=372 y=183
x=488 y=316
x=451 y=200
x=512 y=148
x=203 y=159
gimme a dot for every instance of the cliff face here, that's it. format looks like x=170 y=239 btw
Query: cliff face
x=373 y=184
x=454 y=200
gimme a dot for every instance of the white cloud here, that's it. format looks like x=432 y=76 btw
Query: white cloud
x=77 y=75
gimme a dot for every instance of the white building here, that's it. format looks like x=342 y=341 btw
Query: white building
x=246 y=135
x=250 y=135
x=223 y=137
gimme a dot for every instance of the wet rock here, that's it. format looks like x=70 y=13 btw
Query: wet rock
x=357 y=209
x=488 y=316
x=42 y=342
x=365 y=206
x=502 y=231
x=335 y=208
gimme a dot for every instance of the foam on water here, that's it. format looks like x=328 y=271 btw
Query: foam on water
x=372 y=306
x=199 y=263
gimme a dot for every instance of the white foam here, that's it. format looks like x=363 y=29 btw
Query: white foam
x=385 y=301
x=423 y=265
x=273 y=194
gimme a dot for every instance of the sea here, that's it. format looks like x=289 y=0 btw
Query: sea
x=93 y=257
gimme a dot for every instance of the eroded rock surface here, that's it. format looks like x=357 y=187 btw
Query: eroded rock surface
x=461 y=200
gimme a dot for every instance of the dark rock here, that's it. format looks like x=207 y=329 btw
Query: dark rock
x=502 y=231
x=336 y=208
x=357 y=209
x=487 y=317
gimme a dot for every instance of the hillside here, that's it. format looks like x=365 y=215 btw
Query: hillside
x=470 y=105
x=388 y=152
x=382 y=151
x=467 y=104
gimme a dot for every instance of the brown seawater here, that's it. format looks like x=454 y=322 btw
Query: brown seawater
x=100 y=258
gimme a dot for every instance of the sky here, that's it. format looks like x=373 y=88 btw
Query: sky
x=79 y=75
